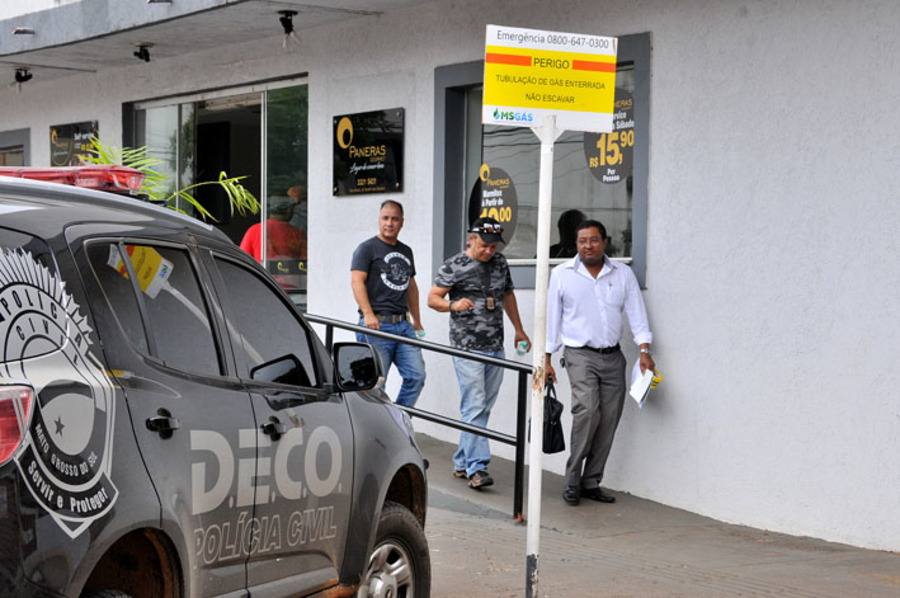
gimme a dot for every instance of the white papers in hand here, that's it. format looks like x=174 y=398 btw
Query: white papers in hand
x=640 y=386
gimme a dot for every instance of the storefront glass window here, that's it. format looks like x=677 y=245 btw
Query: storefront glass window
x=12 y=156
x=260 y=136
x=602 y=177
x=592 y=178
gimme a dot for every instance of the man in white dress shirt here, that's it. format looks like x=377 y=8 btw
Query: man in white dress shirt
x=585 y=302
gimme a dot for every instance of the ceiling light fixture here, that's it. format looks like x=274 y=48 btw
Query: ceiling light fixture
x=22 y=75
x=287 y=20
x=143 y=52
x=287 y=23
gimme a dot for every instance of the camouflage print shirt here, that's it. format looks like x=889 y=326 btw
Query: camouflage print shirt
x=480 y=328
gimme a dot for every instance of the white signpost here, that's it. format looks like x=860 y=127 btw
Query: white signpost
x=550 y=82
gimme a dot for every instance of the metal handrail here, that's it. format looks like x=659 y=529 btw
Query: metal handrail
x=521 y=409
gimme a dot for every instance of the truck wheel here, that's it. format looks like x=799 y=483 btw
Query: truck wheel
x=400 y=566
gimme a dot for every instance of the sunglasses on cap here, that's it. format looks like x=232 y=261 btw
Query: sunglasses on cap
x=487 y=228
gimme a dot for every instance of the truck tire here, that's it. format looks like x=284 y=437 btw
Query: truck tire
x=400 y=565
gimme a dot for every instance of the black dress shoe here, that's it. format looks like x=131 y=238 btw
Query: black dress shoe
x=598 y=495
x=571 y=495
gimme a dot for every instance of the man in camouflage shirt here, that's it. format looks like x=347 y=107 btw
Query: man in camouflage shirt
x=480 y=290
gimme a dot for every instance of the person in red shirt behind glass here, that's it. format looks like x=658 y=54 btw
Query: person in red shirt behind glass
x=283 y=241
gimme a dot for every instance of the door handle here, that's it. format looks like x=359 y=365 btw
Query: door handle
x=274 y=428
x=163 y=423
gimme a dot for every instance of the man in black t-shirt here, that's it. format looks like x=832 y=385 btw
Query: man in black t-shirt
x=383 y=275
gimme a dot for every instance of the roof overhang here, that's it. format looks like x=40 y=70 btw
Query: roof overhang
x=92 y=35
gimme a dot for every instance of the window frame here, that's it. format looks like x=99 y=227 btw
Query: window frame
x=18 y=138
x=321 y=381
x=199 y=274
x=451 y=84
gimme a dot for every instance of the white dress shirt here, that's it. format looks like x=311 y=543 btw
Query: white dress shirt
x=587 y=311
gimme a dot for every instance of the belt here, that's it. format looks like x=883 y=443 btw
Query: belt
x=605 y=350
x=391 y=318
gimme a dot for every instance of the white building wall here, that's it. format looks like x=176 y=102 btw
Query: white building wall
x=24 y=7
x=772 y=276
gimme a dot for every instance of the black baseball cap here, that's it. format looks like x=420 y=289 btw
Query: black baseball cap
x=488 y=229
x=280 y=204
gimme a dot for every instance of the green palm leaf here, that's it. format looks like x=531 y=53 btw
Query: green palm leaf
x=155 y=182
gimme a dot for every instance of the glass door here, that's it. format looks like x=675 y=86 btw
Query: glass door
x=286 y=158
x=157 y=130
x=168 y=134
x=260 y=135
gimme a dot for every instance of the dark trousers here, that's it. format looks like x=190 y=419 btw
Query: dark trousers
x=598 y=396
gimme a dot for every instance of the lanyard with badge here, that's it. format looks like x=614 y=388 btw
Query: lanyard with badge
x=485 y=275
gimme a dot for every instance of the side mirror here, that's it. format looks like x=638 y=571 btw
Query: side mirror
x=357 y=365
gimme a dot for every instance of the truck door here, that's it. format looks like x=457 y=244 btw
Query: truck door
x=190 y=413
x=304 y=439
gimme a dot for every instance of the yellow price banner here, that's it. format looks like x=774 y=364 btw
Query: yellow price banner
x=610 y=156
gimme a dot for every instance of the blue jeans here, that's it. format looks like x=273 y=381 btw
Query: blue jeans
x=406 y=358
x=479 y=385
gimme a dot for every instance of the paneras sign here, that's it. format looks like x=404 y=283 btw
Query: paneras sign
x=368 y=152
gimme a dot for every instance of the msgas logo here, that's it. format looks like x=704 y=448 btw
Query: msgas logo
x=510 y=116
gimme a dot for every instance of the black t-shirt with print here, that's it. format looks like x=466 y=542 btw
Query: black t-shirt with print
x=389 y=268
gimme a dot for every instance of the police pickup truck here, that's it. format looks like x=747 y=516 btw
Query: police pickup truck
x=170 y=425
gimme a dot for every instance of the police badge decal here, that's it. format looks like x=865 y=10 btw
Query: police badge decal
x=66 y=458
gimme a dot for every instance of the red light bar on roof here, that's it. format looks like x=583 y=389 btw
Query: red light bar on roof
x=118 y=179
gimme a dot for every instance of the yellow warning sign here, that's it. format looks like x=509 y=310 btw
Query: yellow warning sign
x=530 y=73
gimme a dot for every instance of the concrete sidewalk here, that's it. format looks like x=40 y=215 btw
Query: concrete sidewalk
x=634 y=547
